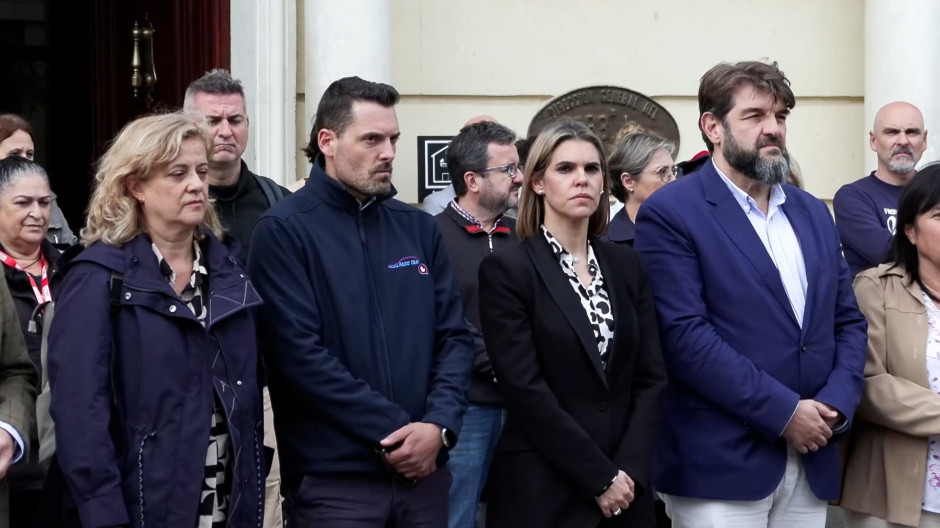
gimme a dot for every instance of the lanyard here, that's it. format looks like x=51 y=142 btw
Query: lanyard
x=41 y=292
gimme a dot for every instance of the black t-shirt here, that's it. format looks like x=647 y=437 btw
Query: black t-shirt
x=240 y=206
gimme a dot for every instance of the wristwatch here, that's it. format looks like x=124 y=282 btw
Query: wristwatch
x=446 y=438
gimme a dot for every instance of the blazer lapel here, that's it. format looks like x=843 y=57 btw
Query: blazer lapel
x=727 y=211
x=621 y=306
x=548 y=268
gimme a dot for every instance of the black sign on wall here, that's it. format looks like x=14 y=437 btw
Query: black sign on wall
x=432 y=164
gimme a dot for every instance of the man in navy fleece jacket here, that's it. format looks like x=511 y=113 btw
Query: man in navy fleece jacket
x=366 y=348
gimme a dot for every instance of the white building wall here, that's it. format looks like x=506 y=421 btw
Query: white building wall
x=901 y=57
x=455 y=59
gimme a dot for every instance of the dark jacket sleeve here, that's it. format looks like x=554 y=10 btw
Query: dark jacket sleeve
x=17 y=374
x=508 y=331
x=846 y=381
x=296 y=358
x=859 y=224
x=649 y=378
x=80 y=380
x=453 y=361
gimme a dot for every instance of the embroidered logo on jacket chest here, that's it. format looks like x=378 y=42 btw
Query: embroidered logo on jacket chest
x=410 y=261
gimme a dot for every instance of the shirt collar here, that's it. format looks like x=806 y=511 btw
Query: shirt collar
x=567 y=259
x=777 y=195
x=474 y=225
x=166 y=270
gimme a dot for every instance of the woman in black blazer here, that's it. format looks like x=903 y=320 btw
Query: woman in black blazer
x=570 y=327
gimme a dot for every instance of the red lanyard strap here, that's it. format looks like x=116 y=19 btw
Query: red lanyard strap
x=42 y=292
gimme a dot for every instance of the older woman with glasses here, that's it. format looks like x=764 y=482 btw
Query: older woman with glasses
x=638 y=166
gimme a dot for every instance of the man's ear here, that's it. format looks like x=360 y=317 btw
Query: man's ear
x=712 y=128
x=326 y=140
x=472 y=181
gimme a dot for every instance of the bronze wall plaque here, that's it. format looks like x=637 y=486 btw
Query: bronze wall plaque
x=606 y=110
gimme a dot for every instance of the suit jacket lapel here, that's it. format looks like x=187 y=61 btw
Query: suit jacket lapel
x=620 y=305
x=727 y=211
x=548 y=268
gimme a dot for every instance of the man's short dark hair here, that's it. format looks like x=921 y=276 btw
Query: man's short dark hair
x=335 y=109
x=522 y=147
x=469 y=150
x=215 y=82
x=717 y=88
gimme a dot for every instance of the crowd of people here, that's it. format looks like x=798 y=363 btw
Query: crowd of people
x=215 y=351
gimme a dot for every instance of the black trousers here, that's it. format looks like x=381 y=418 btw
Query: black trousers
x=368 y=501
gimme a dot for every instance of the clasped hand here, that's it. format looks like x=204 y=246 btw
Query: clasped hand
x=618 y=496
x=417 y=455
x=810 y=428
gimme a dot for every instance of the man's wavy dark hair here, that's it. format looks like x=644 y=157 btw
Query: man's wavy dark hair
x=335 y=109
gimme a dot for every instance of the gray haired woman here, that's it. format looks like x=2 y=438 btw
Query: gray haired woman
x=640 y=164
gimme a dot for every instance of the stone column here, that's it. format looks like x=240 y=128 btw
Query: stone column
x=341 y=39
x=264 y=51
x=902 y=54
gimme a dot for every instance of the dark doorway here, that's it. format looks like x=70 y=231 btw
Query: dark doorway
x=67 y=68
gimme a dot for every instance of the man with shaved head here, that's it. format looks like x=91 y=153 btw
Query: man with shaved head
x=866 y=210
x=437 y=201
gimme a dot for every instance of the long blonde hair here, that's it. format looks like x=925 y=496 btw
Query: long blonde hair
x=143 y=145
x=532 y=205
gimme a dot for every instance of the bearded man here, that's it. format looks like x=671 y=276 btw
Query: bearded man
x=763 y=341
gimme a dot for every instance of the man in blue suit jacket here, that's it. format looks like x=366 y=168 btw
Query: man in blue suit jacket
x=763 y=340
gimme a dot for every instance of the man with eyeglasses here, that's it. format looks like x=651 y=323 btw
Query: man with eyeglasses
x=437 y=201
x=484 y=167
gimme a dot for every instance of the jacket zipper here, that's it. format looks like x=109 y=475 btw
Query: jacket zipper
x=259 y=479
x=140 y=473
x=376 y=311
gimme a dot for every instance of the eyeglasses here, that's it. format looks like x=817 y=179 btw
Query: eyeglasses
x=510 y=169
x=667 y=174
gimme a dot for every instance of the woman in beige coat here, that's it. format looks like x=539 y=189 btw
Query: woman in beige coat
x=892 y=474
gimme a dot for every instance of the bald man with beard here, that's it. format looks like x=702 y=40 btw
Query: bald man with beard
x=437 y=201
x=866 y=209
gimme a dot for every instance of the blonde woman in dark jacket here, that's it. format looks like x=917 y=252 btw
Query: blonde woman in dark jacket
x=156 y=401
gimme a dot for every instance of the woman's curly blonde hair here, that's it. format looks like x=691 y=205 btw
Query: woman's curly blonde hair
x=142 y=146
